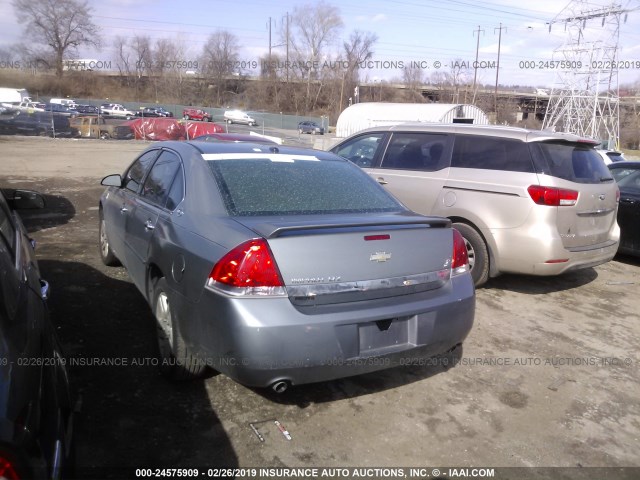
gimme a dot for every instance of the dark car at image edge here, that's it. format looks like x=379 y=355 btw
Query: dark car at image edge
x=35 y=403
x=627 y=175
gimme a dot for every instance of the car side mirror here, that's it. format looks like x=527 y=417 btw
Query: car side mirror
x=24 y=199
x=114 y=180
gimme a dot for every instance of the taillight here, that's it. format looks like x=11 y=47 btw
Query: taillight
x=248 y=269
x=553 y=197
x=8 y=470
x=460 y=258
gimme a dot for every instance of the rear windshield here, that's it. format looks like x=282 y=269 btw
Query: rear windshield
x=576 y=162
x=294 y=187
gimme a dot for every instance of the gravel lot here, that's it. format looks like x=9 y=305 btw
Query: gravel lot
x=549 y=376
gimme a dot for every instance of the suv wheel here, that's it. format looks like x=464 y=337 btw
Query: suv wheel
x=477 y=251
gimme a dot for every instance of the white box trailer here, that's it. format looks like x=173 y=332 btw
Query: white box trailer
x=13 y=96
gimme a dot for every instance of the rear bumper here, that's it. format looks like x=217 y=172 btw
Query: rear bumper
x=258 y=342
x=519 y=251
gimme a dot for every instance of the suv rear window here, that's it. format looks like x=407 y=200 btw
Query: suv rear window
x=576 y=162
x=258 y=186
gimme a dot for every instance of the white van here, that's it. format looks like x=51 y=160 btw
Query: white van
x=525 y=201
x=67 y=102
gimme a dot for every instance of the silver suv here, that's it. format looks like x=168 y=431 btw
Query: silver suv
x=525 y=201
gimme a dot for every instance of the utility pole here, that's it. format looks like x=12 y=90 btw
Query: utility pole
x=287 y=64
x=495 y=95
x=475 y=65
x=269 y=58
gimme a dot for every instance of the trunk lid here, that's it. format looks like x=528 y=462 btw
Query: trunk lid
x=359 y=258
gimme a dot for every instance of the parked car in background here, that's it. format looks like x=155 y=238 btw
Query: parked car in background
x=610 y=156
x=627 y=175
x=60 y=109
x=280 y=265
x=196 y=114
x=97 y=127
x=163 y=112
x=68 y=102
x=37 y=123
x=147 y=112
x=35 y=402
x=233 y=137
x=236 y=116
x=526 y=201
x=87 y=109
x=116 y=110
x=310 y=127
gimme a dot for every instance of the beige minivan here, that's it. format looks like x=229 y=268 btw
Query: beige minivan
x=525 y=201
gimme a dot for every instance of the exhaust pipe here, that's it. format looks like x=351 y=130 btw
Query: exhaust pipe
x=280 y=386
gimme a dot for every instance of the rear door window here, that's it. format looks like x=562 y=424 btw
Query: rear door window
x=576 y=162
x=491 y=153
x=425 y=152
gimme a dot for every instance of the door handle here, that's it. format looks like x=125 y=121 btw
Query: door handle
x=149 y=226
x=381 y=181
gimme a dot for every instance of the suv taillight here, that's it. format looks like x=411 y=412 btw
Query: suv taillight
x=460 y=259
x=552 y=197
x=247 y=270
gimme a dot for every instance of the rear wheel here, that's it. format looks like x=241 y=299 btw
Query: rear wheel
x=187 y=117
x=105 y=135
x=477 y=251
x=176 y=361
x=106 y=254
x=207 y=119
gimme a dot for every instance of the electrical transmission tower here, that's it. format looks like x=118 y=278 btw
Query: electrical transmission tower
x=584 y=99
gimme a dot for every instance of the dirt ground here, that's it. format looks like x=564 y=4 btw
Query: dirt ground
x=548 y=377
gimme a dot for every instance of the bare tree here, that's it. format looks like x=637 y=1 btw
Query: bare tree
x=134 y=59
x=61 y=25
x=358 y=49
x=219 y=57
x=315 y=27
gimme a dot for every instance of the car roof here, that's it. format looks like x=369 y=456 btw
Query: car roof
x=187 y=148
x=517 y=133
x=234 y=137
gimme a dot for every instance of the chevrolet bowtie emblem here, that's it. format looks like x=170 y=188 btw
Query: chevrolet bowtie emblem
x=380 y=257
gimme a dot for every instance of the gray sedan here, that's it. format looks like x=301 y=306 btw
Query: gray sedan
x=280 y=266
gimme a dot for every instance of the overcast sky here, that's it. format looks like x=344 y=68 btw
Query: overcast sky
x=426 y=31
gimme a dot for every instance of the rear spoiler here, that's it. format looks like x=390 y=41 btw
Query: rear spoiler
x=366 y=226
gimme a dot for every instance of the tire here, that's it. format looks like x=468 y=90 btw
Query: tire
x=176 y=362
x=187 y=117
x=207 y=119
x=106 y=254
x=300 y=131
x=105 y=135
x=477 y=251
